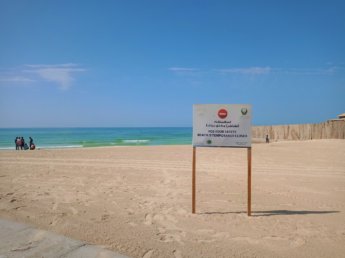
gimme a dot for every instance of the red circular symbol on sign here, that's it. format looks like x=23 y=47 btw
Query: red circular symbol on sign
x=222 y=113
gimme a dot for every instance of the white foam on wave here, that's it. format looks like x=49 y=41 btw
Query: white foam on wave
x=135 y=141
x=47 y=147
x=59 y=147
x=7 y=148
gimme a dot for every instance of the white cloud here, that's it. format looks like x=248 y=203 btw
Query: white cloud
x=244 y=70
x=247 y=70
x=183 y=69
x=61 y=74
x=270 y=70
x=257 y=70
x=19 y=79
x=69 y=65
x=310 y=71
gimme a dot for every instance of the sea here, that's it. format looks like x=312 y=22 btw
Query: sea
x=50 y=138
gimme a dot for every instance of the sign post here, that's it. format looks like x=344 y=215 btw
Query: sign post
x=249 y=203
x=216 y=125
x=193 y=180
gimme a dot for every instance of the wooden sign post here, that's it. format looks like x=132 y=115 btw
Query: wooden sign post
x=193 y=180
x=222 y=126
x=249 y=185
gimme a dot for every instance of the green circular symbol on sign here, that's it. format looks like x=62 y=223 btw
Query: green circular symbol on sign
x=244 y=111
x=209 y=141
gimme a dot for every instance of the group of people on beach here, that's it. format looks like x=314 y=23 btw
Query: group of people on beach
x=22 y=145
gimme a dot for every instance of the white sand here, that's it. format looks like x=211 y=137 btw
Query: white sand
x=137 y=200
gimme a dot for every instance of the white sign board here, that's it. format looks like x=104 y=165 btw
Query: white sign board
x=216 y=125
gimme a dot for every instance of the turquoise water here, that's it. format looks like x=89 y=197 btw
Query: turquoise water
x=95 y=137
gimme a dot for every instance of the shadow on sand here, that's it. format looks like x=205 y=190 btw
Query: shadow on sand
x=272 y=213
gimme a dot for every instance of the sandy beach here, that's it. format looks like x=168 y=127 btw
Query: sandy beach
x=137 y=200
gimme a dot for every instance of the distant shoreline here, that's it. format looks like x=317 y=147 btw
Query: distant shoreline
x=71 y=138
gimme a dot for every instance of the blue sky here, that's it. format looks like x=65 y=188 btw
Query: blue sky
x=145 y=63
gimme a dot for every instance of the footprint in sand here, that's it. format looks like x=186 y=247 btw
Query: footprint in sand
x=166 y=238
x=297 y=242
x=177 y=254
x=130 y=211
x=161 y=230
x=105 y=217
x=172 y=237
x=148 y=219
x=55 y=221
x=148 y=254
x=132 y=224
x=74 y=210
x=55 y=206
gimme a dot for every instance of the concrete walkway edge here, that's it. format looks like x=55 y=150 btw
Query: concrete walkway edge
x=21 y=240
